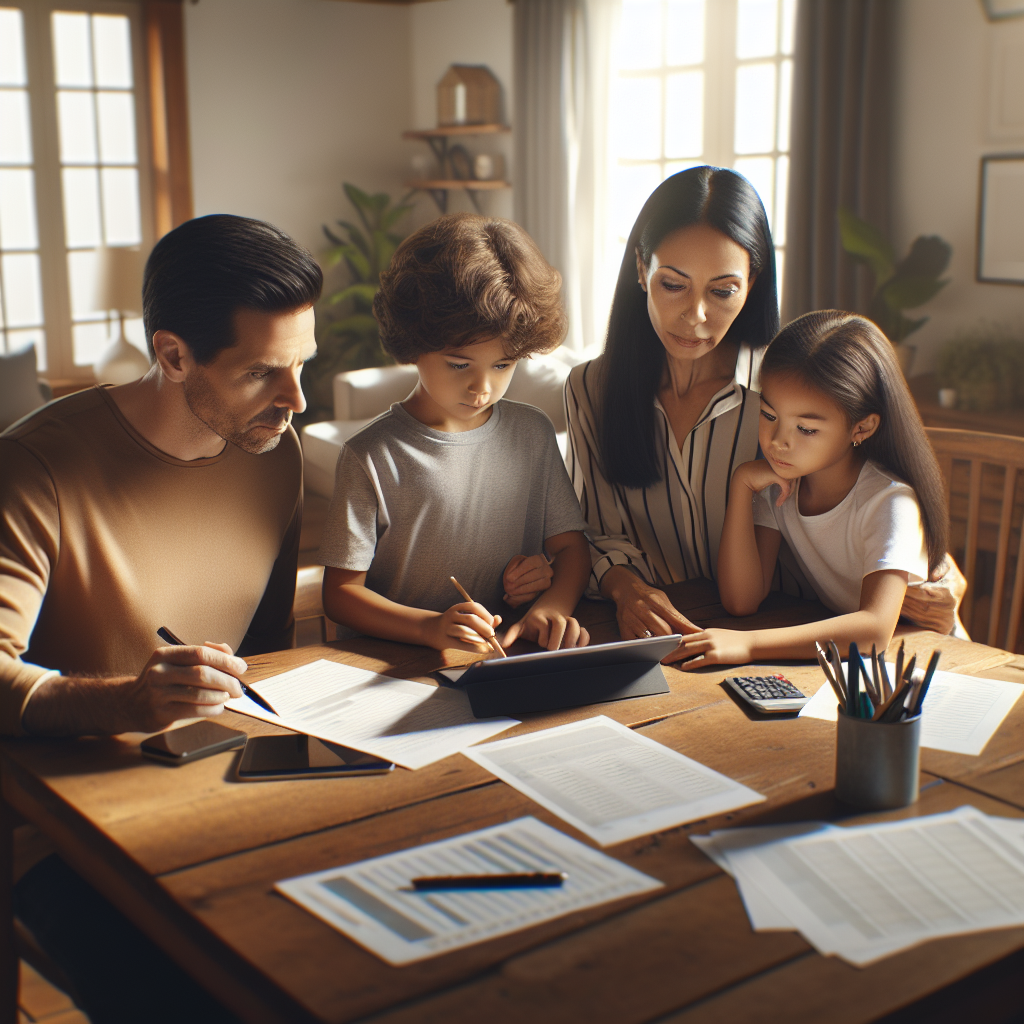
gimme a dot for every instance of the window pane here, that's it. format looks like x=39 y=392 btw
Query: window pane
x=18 y=210
x=756 y=28
x=77 y=127
x=71 y=49
x=684 y=114
x=630 y=187
x=781 y=195
x=117 y=127
x=675 y=166
x=135 y=332
x=639 y=42
x=785 y=102
x=23 y=295
x=12 y=47
x=82 y=278
x=112 y=49
x=755 y=108
x=684 y=37
x=17 y=340
x=15 y=138
x=780 y=272
x=637 y=112
x=81 y=207
x=788 y=26
x=90 y=339
x=760 y=172
x=121 y=206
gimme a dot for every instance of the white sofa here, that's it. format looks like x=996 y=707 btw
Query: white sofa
x=362 y=395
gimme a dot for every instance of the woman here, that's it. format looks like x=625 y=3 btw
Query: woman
x=659 y=421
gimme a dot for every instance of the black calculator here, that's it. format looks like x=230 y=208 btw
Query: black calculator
x=768 y=694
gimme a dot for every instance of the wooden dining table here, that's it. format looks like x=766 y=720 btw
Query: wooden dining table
x=191 y=857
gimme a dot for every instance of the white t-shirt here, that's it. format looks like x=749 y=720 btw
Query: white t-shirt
x=876 y=526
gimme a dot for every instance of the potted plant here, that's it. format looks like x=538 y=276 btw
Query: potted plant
x=898 y=284
x=985 y=366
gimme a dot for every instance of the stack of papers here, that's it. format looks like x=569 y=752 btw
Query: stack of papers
x=409 y=723
x=961 y=713
x=865 y=892
x=374 y=904
x=610 y=782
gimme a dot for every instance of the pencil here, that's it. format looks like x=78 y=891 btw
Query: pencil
x=492 y=639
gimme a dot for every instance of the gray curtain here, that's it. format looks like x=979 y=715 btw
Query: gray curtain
x=841 y=147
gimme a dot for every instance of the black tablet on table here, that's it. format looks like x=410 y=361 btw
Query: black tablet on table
x=549 y=680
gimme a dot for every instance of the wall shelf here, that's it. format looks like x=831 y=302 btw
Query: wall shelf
x=437 y=139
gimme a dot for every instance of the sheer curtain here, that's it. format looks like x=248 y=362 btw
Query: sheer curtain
x=563 y=68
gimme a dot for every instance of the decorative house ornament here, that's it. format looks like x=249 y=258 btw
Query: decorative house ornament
x=468 y=94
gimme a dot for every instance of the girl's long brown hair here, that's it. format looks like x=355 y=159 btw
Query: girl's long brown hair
x=847 y=357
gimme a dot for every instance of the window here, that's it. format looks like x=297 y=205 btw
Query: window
x=701 y=82
x=73 y=175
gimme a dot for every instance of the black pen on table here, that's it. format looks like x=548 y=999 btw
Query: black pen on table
x=166 y=635
x=517 y=880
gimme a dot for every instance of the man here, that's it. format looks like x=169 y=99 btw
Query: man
x=173 y=501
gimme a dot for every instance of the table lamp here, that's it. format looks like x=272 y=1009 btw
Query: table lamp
x=119 y=290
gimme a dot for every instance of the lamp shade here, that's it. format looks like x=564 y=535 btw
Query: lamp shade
x=118 y=280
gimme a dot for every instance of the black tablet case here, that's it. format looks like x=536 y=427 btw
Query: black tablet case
x=591 y=675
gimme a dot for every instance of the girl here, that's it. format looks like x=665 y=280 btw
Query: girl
x=850 y=481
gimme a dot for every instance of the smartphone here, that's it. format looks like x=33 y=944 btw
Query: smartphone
x=191 y=742
x=768 y=694
x=303 y=757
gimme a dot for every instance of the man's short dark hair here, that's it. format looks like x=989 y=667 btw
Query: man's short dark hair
x=201 y=273
x=465 y=278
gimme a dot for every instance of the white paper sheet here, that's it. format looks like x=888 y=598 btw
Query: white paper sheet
x=409 y=723
x=373 y=903
x=610 y=782
x=868 y=891
x=960 y=714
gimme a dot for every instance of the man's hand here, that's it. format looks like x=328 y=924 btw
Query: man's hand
x=183 y=682
x=548 y=628
x=936 y=604
x=640 y=609
x=463 y=627
x=712 y=647
x=758 y=474
x=525 y=577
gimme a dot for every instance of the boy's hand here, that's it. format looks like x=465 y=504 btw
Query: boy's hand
x=548 y=628
x=525 y=577
x=463 y=627
x=758 y=475
x=713 y=647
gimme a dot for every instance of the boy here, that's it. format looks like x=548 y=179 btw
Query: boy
x=454 y=481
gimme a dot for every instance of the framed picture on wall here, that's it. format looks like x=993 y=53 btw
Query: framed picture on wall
x=1001 y=219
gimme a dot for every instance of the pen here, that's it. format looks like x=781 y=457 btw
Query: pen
x=492 y=639
x=168 y=637
x=853 y=682
x=519 y=880
x=827 y=669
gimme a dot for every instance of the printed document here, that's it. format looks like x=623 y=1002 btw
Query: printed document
x=610 y=782
x=960 y=714
x=868 y=891
x=374 y=904
x=409 y=723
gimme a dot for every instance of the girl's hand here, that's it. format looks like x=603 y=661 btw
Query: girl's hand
x=463 y=627
x=936 y=604
x=640 y=609
x=758 y=475
x=525 y=577
x=713 y=647
x=549 y=628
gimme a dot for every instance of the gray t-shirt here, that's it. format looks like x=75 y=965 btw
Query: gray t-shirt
x=413 y=506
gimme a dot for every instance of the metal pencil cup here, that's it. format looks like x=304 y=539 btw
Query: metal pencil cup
x=877 y=763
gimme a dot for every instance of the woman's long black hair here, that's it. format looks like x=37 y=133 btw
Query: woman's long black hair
x=634 y=358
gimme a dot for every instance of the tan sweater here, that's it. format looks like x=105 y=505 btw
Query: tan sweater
x=104 y=538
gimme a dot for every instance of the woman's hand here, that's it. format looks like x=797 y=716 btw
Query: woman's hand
x=640 y=609
x=936 y=604
x=758 y=475
x=713 y=647
x=525 y=577
x=463 y=627
x=549 y=628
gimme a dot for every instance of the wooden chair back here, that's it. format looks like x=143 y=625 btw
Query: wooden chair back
x=984 y=475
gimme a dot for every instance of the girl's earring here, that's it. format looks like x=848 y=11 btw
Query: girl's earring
x=856 y=444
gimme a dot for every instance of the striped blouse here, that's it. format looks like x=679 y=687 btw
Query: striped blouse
x=669 y=531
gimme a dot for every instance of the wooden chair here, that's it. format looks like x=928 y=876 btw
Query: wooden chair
x=310 y=621
x=984 y=475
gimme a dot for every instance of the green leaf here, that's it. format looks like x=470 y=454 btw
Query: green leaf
x=361 y=291
x=356 y=196
x=866 y=243
x=928 y=257
x=357 y=237
x=391 y=217
x=358 y=324
x=385 y=249
x=911 y=291
x=357 y=262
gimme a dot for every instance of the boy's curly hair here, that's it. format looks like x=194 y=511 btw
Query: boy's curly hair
x=465 y=278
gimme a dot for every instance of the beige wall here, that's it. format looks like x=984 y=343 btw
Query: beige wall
x=288 y=99
x=954 y=106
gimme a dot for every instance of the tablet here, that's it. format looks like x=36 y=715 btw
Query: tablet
x=549 y=680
